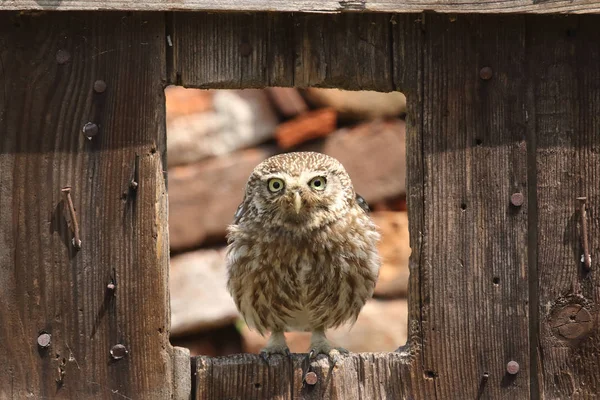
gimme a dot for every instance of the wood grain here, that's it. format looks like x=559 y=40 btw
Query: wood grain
x=48 y=66
x=565 y=105
x=474 y=265
x=314 y=6
x=245 y=376
x=350 y=51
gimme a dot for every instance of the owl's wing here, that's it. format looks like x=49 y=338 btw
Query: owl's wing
x=239 y=212
x=362 y=203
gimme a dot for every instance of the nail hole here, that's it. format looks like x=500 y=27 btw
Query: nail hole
x=572 y=317
x=496 y=280
x=257 y=385
x=429 y=374
x=153 y=150
x=463 y=206
x=478 y=142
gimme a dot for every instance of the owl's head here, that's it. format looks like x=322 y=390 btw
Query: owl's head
x=299 y=190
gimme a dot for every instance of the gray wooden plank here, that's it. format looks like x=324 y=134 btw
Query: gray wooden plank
x=474 y=266
x=564 y=109
x=314 y=6
x=350 y=51
x=48 y=67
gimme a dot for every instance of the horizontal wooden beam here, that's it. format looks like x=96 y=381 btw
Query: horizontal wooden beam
x=356 y=376
x=315 y=6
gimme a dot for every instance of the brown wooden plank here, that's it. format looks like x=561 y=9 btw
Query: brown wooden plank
x=317 y=6
x=48 y=66
x=245 y=376
x=474 y=278
x=564 y=114
x=350 y=51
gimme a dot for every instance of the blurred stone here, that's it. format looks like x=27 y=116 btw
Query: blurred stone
x=381 y=326
x=395 y=252
x=239 y=119
x=359 y=105
x=288 y=101
x=306 y=126
x=204 y=196
x=199 y=297
x=374 y=154
x=183 y=102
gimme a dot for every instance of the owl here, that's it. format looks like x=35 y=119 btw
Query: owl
x=302 y=251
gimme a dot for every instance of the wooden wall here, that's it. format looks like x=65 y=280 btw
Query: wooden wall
x=502 y=139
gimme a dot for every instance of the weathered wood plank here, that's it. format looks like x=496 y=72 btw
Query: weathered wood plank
x=564 y=113
x=358 y=376
x=314 y=6
x=48 y=67
x=350 y=51
x=474 y=278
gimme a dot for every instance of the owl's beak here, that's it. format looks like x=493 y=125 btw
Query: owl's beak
x=297 y=202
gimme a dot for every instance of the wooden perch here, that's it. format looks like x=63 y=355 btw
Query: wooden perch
x=247 y=376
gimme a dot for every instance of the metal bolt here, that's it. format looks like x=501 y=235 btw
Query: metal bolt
x=512 y=367
x=245 y=49
x=486 y=73
x=311 y=378
x=44 y=340
x=90 y=129
x=62 y=56
x=118 y=351
x=517 y=199
x=99 y=86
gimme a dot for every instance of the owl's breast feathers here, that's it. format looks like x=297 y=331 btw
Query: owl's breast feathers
x=282 y=280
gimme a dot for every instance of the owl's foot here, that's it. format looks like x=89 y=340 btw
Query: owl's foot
x=320 y=345
x=275 y=345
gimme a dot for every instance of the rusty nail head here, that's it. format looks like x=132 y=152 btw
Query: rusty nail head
x=311 y=378
x=486 y=73
x=516 y=199
x=62 y=56
x=512 y=367
x=99 y=86
x=118 y=351
x=245 y=49
x=44 y=340
x=90 y=129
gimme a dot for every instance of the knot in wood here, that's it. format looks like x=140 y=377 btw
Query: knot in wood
x=572 y=321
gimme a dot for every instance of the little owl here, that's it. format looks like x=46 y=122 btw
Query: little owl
x=302 y=252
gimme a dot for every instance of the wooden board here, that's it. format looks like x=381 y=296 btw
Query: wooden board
x=48 y=68
x=564 y=110
x=261 y=49
x=314 y=6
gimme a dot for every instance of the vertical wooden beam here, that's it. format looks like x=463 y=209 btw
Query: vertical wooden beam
x=565 y=104
x=112 y=291
x=473 y=266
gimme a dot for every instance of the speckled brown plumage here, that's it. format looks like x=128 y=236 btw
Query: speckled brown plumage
x=302 y=252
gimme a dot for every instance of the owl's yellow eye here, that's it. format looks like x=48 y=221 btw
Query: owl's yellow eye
x=318 y=183
x=276 y=184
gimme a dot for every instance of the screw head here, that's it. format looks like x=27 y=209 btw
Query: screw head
x=311 y=378
x=512 y=367
x=245 y=49
x=90 y=129
x=118 y=351
x=44 y=339
x=99 y=86
x=62 y=56
x=486 y=73
x=517 y=199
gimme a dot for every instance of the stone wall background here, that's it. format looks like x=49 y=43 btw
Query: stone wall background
x=214 y=140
